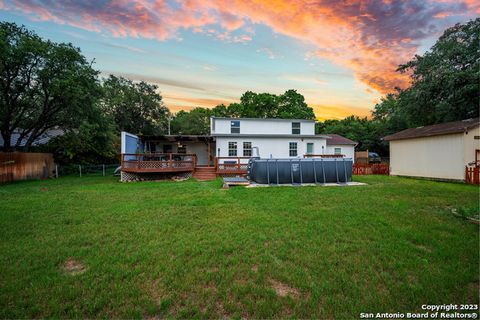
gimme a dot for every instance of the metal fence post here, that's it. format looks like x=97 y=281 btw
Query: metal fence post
x=80 y=170
x=103 y=166
x=56 y=171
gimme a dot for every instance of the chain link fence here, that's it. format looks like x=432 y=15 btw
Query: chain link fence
x=82 y=170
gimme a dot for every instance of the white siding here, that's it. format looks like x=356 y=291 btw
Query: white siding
x=200 y=149
x=431 y=157
x=271 y=147
x=347 y=150
x=260 y=126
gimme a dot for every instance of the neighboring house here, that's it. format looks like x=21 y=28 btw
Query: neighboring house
x=338 y=144
x=231 y=143
x=438 y=151
x=43 y=139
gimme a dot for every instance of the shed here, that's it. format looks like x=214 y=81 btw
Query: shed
x=439 y=151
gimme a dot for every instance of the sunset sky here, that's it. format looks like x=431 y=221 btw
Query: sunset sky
x=341 y=55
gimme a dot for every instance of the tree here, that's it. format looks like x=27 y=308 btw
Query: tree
x=290 y=105
x=220 y=111
x=258 y=105
x=197 y=121
x=135 y=107
x=44 y=85
x=388 y=115
x=445 y=80
x=366 y=132
x=94 y=141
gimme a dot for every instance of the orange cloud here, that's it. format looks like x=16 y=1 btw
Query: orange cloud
x=177 y=102
x=370 y=37
x=325 y=112
x=181 y=102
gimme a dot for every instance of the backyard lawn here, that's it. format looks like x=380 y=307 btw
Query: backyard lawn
x=95 y=247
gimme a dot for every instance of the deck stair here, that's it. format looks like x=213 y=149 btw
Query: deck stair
x=205 y=173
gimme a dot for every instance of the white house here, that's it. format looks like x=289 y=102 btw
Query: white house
x=438 y=151
x=270 y=138
x=230 y=145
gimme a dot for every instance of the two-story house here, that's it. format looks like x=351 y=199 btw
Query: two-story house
x=226 y=151
x=266 y=138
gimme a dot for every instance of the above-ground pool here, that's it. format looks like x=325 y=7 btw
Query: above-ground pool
x=298 y=171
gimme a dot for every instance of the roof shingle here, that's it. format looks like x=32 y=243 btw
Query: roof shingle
x=336 y=139
x=435 y=130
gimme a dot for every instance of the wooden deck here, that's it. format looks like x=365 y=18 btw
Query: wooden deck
x=158 y=162
x=177 y=162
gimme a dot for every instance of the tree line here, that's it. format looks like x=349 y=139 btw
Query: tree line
x=46 y=85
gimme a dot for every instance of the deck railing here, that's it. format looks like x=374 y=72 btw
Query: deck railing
x=308 y=155
x=158 y=162
x=231 y=165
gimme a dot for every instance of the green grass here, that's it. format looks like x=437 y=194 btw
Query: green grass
x=192 y=250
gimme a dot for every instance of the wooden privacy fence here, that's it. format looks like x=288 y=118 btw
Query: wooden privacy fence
x=373 y=168
x=361 y=157
x=472 y=175
x=22 y=166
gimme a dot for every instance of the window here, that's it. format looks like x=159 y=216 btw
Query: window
x=337 y=151
x=295 y=127
x=235 y=126
x=247 y=149
x=310 y=148
x=232 y=149
x=293 y=149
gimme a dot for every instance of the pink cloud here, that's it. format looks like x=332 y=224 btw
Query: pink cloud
x=370 y=37
x=473 y=6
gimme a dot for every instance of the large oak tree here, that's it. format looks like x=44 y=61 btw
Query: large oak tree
x=43 y=85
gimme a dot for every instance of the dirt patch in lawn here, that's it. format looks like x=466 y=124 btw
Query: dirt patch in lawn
x=284 y=290
x=472 y=289
x=423 y=248
x=74 y=267
x=255 y=268
x=211 y=287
